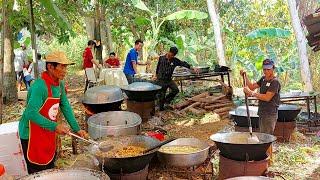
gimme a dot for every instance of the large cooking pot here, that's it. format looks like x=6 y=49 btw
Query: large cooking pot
x=129 y=164
x=185 y=160
x=103 y=98
x=67 y=174
x=239 y=116
x=287 y=112
x=249 y=178
x=234 y=145
x=141 y=91
x=113 y=123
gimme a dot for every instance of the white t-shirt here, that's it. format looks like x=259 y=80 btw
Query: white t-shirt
x=20 y=59
x=41 y=68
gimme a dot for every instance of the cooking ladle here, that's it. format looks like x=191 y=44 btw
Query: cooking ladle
x=158 y=145
x=103 y=148
x=253 y=138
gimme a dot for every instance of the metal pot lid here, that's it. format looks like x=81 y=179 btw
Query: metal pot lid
x=288 y=107
x=67 y=174
x=115 y=119
x=141 y=86
x=242 y=111
x=102 y=95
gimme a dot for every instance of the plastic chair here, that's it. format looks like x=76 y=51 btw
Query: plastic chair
x=92 y=80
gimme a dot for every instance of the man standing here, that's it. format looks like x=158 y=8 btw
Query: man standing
x=165 y=68
x=268 y=96
x=130 y=67
x=38 y=125
x=20 y=62
x=41 y=67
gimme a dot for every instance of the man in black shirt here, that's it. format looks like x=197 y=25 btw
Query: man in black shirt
x=165 y=68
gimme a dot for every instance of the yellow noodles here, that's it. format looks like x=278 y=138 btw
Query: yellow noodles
x=179 y=149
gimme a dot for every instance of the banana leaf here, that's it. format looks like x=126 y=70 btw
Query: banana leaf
x=269 y=33
x=187 y=14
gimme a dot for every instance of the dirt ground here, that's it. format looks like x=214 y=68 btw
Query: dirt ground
x=175 y=126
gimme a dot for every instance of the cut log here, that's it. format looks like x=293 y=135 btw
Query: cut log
x=204 y=94
x=196 y=111
x=191 y=106
x=182 y=104
x=217 y=106
x=222 y=110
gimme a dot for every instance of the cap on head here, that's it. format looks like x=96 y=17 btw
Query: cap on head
x=58 y=57
x=268 y=64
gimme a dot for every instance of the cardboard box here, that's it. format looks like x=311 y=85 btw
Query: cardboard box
x=11 y=154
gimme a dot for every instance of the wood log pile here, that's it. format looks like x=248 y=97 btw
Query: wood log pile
x=312 y=23
x=206 y=102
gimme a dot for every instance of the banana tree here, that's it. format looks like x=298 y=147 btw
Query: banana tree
x=156 y=22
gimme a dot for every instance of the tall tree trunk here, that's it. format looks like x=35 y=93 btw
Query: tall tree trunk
x=4 y=26
x=302 y=46
x=109 y=36
x=9 y=80
x=89 y=21
x=33 y=41
x=103 y=33
x=217 y=33
x=97 y=35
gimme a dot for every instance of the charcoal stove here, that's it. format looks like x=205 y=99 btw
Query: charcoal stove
x=139 y=175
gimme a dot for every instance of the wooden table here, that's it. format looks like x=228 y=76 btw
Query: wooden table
x=203 y=76
x=304 y=96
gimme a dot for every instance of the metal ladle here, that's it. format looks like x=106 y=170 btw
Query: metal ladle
x=104 y=148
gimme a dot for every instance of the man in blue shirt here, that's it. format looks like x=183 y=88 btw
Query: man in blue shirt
x=130 y=67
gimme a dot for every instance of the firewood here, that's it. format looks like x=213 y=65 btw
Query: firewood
x=204 y=94
x=196 y=111
x=182 y=104
x=221 y=110
x=216 y=106
x=191 y=106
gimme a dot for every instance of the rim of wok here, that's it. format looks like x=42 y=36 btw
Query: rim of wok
x=270 y=138
x=95 y=173
x=116 y=139
x=127 y=88
x=201 y=149
x=233 y=113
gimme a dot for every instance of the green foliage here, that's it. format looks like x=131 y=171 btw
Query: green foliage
x=269 y=33
x=186 y=14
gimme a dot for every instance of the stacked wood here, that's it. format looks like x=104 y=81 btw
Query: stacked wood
x=206 y=102
x=312 y=23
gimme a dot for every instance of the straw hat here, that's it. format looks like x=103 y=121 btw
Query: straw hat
x=58 y=57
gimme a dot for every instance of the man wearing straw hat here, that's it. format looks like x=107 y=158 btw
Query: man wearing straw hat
x=38 y=125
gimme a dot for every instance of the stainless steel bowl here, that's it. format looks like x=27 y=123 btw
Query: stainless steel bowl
x=102 y=95
x=185 y=160
x=113 y=123
x=141 y=86
x=67 y=174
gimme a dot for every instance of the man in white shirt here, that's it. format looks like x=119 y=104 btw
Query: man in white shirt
x=41 y=67
x=20 y=62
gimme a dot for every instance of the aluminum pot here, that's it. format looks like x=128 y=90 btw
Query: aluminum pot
x=239 y=116
x=113 y=123
x=141 y=91
x=185 y=160
x=67 y=174
x=103 y=98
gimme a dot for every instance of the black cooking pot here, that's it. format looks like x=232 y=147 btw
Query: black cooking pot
x=288 y=113
x=129 y=164
x=234 y=145
x=102 y=99
x=242 y=121
x=141 y=91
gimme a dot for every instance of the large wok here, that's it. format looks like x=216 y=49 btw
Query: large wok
x=239 y=116
x=129 y=164
x=287 y=112
x=141 y=91
x=185 y=160
x=67 y=174
x=234 y=145
x=102 y=99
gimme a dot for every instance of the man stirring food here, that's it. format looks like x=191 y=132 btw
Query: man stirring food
x=38 y=125
x=268 y=96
